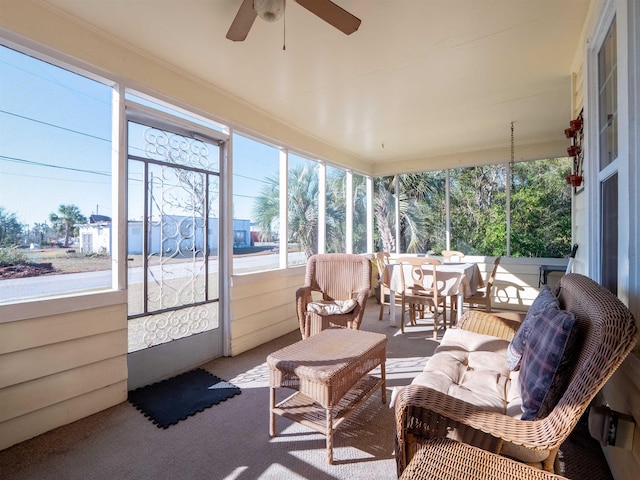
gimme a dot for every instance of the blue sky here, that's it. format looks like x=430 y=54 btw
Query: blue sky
x=55 y=140
x=55 y=144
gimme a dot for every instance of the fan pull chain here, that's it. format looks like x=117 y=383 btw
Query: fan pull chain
x=513 y=154
x=284 y=31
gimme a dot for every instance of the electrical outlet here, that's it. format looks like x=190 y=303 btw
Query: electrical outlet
x=625 y=428
x=612 y=428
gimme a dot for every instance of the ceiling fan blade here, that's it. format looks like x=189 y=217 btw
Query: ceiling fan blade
x=332 y=14
x=241 y=25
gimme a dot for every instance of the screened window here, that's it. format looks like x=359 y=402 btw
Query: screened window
x=302 y=202
x=359 y=208
x=336 y=210
x=540 y=212
x=256 y=205
x=55 y=171
x=422 y=212
x=478 y=210
x=384 y=214
x=540 y=209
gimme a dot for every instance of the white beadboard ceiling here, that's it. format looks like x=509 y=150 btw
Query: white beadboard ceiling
x=420 y=79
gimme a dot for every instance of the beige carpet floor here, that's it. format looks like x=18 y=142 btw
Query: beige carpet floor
x=229 y=441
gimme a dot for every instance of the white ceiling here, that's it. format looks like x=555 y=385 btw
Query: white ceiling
x=418 y=80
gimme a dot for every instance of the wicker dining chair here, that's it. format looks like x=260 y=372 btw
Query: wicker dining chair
x=416 y=295
x=607 y=332
x=336 y=278
x=452 y=255
x=382 y=260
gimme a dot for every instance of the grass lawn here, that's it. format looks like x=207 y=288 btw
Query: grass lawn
x=64 y=260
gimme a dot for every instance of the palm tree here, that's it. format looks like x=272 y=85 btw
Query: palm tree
x=66 y=221
x=336 y=210
x=359 y=214
x=302 y=207
x=418 y=218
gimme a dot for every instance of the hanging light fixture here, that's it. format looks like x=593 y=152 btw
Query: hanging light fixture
x=269 y=10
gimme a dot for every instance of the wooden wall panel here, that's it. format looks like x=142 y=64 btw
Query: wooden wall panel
x=58 y=368
x=26 y=397
x=37 y=422
x=36 y=332
x=263 y=307
x=35 y=363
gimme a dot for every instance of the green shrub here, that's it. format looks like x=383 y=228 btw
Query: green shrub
x=11 y=256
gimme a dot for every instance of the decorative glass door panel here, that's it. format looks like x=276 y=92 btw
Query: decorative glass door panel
x=173 y=187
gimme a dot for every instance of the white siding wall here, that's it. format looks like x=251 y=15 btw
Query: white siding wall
x=56 y=368
x=263 y=307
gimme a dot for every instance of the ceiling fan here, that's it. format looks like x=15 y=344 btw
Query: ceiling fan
x=272 y=10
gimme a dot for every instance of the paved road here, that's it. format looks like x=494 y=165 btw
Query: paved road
x=20 y=288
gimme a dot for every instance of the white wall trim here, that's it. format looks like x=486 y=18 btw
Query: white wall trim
x=35 y=308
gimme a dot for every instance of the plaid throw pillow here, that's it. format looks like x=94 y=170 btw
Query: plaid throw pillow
x=543 y=353
x=545 y=299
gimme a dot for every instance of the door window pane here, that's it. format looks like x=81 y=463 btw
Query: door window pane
x=609 y=233
x=608 y=99
x=173 y=225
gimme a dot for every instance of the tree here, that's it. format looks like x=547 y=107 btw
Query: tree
x=10 y=229
x=302 y=207
x=540 y=210
x=66 y=221
x=418 y=194
x=478 y=209
x=336 y=210
x=41 y=232
x=359 y=214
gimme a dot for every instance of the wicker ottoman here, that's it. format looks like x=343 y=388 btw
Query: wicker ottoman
x=442 y=459
x=329 y=371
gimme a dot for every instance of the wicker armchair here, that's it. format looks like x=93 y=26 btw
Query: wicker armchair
x=608 y=332
x=337 y=277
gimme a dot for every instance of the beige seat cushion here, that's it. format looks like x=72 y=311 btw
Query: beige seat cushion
x=472 y=367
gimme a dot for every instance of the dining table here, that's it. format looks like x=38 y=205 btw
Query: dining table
x=458 y=279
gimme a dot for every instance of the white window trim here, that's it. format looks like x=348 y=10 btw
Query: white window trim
x=611 y=10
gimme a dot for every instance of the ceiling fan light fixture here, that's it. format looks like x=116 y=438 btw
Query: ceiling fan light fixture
x=269 y=10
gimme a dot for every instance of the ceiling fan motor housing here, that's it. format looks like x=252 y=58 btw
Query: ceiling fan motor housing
x=269 y=10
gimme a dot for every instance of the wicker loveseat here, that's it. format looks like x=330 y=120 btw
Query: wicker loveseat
x=454 y=396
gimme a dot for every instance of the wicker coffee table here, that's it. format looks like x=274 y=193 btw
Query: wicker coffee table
x=329 y=370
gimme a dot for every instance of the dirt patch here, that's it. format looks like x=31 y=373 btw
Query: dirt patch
x=26 y=270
